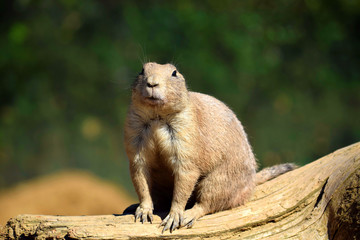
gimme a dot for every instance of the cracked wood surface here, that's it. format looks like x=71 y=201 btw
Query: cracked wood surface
x=320 y=200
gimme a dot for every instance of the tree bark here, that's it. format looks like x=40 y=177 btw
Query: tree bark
x=318 y=201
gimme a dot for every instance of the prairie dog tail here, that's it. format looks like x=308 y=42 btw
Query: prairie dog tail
x=272 y=172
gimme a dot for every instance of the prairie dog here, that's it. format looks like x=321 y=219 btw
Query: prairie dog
x=186 y=148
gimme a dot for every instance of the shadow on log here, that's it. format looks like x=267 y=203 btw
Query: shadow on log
x=318 y=201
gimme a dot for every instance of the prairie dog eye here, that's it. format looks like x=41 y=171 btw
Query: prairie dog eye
x=174 y=74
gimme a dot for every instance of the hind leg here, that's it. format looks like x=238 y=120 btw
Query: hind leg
x=193 y=214
x=225 y=188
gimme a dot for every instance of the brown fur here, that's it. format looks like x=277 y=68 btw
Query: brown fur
x=181 y=144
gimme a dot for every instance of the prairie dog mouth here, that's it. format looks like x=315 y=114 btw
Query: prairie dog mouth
x=154 y=100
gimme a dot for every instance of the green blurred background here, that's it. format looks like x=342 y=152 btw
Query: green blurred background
x=289 y=69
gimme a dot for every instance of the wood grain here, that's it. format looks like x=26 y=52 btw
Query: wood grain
x=318 y=201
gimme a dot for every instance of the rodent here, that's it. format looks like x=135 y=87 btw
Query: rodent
x=187 y=149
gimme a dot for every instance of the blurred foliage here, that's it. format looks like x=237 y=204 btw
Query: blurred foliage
x=289 y=69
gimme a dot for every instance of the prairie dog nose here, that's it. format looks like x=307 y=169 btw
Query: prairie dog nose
x=152 y=82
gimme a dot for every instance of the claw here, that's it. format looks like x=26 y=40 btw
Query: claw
x=136 y=216
x=168 y=225
x=172 y=228
x=181 y=221
x=151 y=218
x=190 y=224
x=165 y=228
x=143 y=218
x=175 y=223
x=164 y=221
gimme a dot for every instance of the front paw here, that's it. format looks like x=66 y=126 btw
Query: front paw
x=172 y=221
x=144 y=214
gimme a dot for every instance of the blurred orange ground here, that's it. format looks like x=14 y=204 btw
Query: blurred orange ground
x=64 y=193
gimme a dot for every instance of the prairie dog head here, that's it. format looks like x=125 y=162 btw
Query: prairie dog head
x=161 y=87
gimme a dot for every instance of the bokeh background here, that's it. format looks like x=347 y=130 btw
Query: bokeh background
x=289 y=69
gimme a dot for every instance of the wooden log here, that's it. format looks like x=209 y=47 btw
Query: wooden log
x=318 y=201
